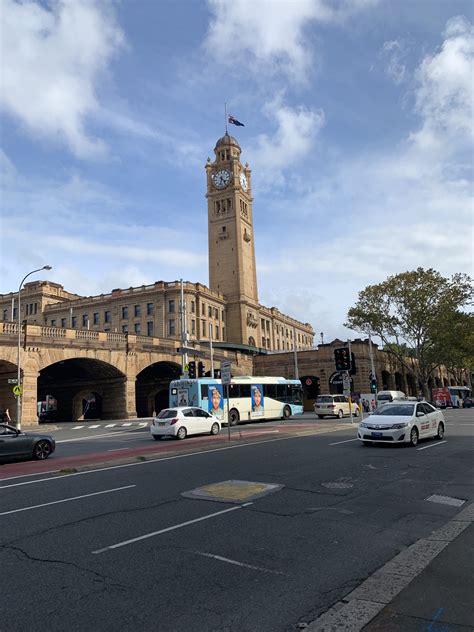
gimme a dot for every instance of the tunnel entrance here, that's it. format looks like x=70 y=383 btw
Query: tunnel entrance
x=83 y=389
x=152 y=387
x=8 y=373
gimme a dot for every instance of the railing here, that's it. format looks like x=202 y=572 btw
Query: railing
x=9 y=328
x=113 y=337
x=86 y=334
x=53 y=332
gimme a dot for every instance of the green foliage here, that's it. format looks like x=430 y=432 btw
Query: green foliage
x=418 y=314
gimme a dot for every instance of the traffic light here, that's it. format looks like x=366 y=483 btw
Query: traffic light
x=373 y=383
x=342 y=359
x=192 y=369
x=200 y=369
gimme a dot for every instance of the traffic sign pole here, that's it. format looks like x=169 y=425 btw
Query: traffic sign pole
x=226 y=380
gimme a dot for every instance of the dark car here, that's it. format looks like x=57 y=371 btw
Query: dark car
x=17 y=444
x=468 y=402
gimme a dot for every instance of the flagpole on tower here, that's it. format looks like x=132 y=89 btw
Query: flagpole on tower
x=225 y=116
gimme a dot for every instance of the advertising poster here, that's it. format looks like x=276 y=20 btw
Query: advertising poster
x=183 y=397
x=257 y=399
x=215 y=401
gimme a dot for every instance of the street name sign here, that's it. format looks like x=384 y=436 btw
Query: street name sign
x=225 y=372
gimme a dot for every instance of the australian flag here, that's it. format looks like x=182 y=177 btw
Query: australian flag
x=234 y=121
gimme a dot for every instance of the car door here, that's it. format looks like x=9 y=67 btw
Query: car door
x=432 y=414
x=13 y=443
x=203 y=420
x=423 y=420
x=190 y=421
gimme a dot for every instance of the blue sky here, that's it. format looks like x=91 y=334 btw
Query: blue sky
x=358 y=129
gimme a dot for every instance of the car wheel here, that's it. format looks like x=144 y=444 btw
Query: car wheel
x=182 y=432
x=440 y=433
x=340 y=414
x=42 y=450
x=286 y=412
x=156 y=437
x=214 y=429
x=414 y=436
x=234 y=417
x=321 y=416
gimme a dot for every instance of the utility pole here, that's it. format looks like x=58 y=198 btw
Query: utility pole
x=211 y=350
x=184 y=337
x=295 y=354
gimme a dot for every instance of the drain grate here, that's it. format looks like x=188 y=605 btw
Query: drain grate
x=446 y=500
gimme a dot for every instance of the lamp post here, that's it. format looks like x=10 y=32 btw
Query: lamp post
x=18 y=398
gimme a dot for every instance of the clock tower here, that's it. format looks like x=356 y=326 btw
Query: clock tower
x=232 y=268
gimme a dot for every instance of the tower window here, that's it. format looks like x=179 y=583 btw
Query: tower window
x=223 y=229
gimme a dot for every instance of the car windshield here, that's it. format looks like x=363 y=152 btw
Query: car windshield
x=392 y=410
x=324 y=399
x=167 y=413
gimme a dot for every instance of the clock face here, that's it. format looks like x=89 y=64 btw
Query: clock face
x=221 y=179
x=243 y=181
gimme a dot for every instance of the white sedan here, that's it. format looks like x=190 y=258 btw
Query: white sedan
x=182 y=421
x=402 y=422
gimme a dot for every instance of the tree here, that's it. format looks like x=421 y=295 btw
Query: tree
x=413 y=313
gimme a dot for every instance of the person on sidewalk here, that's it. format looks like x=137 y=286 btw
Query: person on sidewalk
x=6 y=417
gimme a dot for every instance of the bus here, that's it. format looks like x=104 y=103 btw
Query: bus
x=450 y=396
x=252 y=398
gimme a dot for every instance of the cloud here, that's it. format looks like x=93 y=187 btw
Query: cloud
x=296 y=131
x=444 y=94
x=272 y=35
x=394 y=54
x=52 y=59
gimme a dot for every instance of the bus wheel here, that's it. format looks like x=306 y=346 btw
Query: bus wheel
x=234 y=417
x=286 y=412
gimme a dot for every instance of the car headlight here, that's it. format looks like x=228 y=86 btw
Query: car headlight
x=363 y=424
x=398 y=426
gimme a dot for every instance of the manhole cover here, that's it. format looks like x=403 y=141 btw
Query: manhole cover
x=233 y=491
x=337 y=485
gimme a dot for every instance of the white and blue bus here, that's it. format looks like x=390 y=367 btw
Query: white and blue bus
x=251 y=398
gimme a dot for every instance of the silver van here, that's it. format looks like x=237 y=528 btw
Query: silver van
x=385 y=397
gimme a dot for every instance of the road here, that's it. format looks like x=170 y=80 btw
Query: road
x=121 y=547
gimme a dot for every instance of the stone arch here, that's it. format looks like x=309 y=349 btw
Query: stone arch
x=8 y=371
x=70 y=380
x=86 y=405
x=252 y=341
x=151 y=383
x=386 y=381
x=399 y=382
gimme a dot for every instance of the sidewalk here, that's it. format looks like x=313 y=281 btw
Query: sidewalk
x=428 y=587
x=441 y=598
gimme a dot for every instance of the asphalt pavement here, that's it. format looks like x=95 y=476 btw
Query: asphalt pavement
x=132 y=546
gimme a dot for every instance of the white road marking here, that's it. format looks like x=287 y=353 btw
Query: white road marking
x=77 y=427
x=446 y=500
x=433 y=445
x=66 y=500
x=124 y=425
x=226 y=559
x=166 y=458
x=346 y=441
x=173 y=528
x=11 y=478
x=94 y=426
x=142 y=425
x=117 y=449
x=110 y=425
x=97 y=436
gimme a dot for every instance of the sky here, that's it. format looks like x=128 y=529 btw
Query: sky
x=358 y=129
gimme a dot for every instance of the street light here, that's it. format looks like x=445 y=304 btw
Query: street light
x=18 y=397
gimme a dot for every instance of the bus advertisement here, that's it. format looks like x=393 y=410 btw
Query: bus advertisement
x=450 y=396
x=252 y=398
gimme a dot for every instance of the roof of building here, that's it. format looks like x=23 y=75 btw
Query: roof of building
x=227 y=140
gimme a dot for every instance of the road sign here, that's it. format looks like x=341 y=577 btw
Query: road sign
x=346 y=380
x=309 y=381
x=13 y=380
x=17 y=390
x=225 y=372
